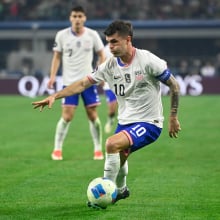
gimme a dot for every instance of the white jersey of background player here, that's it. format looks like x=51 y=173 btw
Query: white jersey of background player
x=77 y=52
x=76 y=46
x=135 y=83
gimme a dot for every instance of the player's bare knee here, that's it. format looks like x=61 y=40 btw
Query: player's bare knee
x=67 y=118
x=111 y=145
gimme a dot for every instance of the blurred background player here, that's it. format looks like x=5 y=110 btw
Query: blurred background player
x=110 y=99
x=75 y=46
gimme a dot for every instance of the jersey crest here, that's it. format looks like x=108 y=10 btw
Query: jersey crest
x=127 y=78
x=138 y=75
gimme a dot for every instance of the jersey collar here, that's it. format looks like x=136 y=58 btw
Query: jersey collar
x=126 y=64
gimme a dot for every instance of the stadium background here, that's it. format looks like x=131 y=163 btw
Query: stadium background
x=185 y=33
x=169 y=180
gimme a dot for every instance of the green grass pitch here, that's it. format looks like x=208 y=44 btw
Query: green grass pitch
x=172 y=179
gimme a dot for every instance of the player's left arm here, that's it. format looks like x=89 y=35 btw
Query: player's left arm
x=101 y=58
x=74 y=88
x=174 y=125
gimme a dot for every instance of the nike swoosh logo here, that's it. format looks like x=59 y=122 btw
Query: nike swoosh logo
x=117 y=77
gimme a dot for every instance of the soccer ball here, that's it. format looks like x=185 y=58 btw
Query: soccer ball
x=102 y=192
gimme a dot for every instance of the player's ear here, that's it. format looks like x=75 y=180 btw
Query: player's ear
x=128 y=39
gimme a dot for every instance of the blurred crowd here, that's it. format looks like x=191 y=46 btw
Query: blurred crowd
x=58 y=10
x=205 y=68
x=26 y=63
x=26 y=10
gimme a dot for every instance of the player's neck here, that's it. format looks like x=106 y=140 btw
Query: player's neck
x=77 y=31
x=128 y=57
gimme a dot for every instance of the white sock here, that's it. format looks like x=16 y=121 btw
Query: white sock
x=96 y=132
x=112 y=166
x=61 y=132
x=121 y=177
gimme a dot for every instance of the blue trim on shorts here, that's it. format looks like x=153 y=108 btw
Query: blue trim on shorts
x=89 y=96
x=141 y=134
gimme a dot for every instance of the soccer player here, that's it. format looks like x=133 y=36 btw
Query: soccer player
x=74 y=47
x=134 y=75
x=110 y=99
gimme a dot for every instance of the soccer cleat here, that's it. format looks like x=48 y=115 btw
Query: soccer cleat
x=94 y=206
x=57 y=155
x=125 y=194
x=98 y=155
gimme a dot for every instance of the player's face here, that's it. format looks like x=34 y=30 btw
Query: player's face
x=77 y=19
x=118 y=45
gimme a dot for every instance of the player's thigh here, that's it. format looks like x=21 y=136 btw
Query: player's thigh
x=69 y=105
x=91 y=101
x=117 y=142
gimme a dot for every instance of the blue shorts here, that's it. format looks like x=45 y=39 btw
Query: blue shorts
x=140 y=134
x=89 y=96
x=110 y=96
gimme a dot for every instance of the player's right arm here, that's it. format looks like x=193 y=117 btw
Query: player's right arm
x=74 y=88
x=55 y=64
x=174 y=125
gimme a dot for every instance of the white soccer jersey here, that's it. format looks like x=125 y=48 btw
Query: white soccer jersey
x=77 y=52
x=136 y=87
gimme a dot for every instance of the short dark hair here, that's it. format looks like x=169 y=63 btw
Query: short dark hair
x=124 y=28
x=78 y=8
